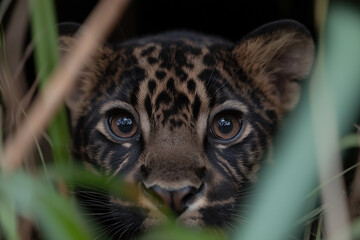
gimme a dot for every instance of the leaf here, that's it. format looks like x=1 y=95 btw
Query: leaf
x=57 y=216
x=44 y=33
x=8 y=219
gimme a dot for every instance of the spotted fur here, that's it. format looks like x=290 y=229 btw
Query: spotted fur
x=174 y=84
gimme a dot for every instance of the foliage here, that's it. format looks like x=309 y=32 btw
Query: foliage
x=44 y=32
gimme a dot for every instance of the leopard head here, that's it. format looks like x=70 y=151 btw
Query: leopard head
x=184 y=118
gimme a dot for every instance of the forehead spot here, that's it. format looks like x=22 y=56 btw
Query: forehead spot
x=152 y=60
x=196 y=107
x=181 y=74
x=148 y=106
x=191 y=85
x=181 y=101
x=175 y=123
x=148 y=51
x=171 y=85
x=160 y=75
x=209 y=60
x=162 y=98
x=151 y=86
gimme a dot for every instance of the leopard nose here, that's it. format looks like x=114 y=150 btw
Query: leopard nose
x=177 y=200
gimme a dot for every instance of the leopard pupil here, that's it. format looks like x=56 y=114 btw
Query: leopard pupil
x=225 y=125
x=125 y=124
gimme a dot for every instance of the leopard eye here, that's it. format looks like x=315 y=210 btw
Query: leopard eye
x=226 y=125
x=123 y=124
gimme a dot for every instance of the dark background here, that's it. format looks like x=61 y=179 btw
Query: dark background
x=230 y=19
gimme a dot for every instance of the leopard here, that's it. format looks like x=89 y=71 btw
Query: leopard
x=186 y=120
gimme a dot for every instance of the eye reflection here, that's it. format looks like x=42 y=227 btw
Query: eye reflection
x=226 y=125
x=123 y=125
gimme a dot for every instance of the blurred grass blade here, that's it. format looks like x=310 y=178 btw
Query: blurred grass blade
x=60 y=138
x=351 y=141
x=336 y=92
x=319 y=228
x=57 y=217
x=355 y=229
x=284 y=187
x=285 y=184
x=330 y=180
x=97 y=27
x=44 y=32
x=311 y=215
x=8 y=219
x=3 y=8
x=342 y=63
x=172 y=231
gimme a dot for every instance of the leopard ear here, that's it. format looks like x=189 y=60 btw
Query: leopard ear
x=66 y=41
x=67 y=31
x=87 y=77
x=277 y=56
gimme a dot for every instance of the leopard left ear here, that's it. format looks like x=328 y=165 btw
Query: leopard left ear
x=87 y=77
x=277 y=56
x=66 y=41
x=67 y=30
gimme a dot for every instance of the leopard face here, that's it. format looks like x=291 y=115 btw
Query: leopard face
x=184 y=118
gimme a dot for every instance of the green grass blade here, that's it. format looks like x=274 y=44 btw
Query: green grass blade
x=311 y=215
x=319 y=228
x=284 y=187
x=339 y=175
x=342 y=63
x=175 y=232
x=60 y=137
x=355 y=229
x=8 y=220
x=57 y=217
x=350 y=141
x=44 y=32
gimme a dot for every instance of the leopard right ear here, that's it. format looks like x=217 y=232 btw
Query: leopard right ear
x=277 y=56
